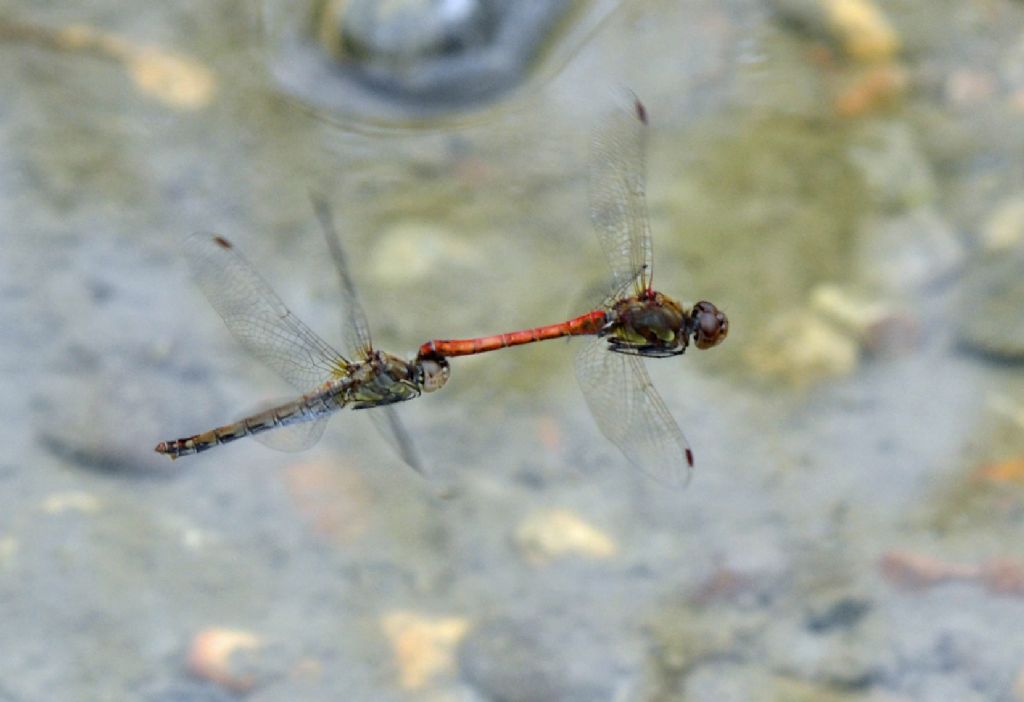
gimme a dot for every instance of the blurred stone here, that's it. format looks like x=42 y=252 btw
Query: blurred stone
x=915 y=570
x=1009 y=471
x=62 y=502
x=535 y=660
x=1018 y=686
x=862 y=29
x=1008 y=410
x=437 y=51
x=872 y=89
x=220 y=656
x=556 y=533
x=175 y=80
x=843 y=612
x=991 y=317
x=184 y=691
x=847 y=651
x=947 y=684
x=721 y=681
x=1016 y=101
x=895 y=170
x=332 y=497
x=801 y=349
x=884 y=696
x=307 y=669
x=724 y=681
x=1011 y=67
x=1004 y=229
x=1003 y=576
x=410 y=251
x=966 y=87
x=549 y=432
x=423 y=646
x=858 y=27
x=405 y=30
x=904 y=254
x=8 y=550
x=875 y=324
x=685 y=635
x=724 y=585
x=794 y=689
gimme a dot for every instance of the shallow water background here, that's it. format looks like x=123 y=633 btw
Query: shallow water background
x=854 y=527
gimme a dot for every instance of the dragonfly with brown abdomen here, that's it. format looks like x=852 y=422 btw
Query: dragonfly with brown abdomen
x=635 y=320
x=366 y=378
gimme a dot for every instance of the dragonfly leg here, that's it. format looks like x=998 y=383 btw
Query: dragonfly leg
x=647 y=350
x=370 y=404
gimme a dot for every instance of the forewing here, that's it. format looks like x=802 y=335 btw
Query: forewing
x=256 y=316
x=294 y=437
x=390 y=427
x=356 y=330
x=631 y=413
x=617 y=188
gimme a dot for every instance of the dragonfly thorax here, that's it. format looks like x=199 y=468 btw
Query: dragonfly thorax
x=652 y=324
x=382 y=379
x=387 y=375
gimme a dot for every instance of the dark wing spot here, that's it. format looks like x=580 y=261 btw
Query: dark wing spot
x=689 y=457
x=222 y=242
x=641 y=111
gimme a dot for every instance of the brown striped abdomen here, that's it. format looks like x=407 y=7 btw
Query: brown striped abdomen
x=304 y=409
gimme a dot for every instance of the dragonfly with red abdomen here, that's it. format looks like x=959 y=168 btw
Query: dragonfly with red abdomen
x=366 y=379
x=635 y=320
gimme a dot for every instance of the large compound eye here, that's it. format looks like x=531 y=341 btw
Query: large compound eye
x=435 y=373
x=710 y=325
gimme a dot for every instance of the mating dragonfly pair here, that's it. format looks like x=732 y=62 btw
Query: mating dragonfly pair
x=635 y=321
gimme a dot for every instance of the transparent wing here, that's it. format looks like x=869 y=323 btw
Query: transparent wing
x=617 y=187
x=390 y=427
x=294 y=437
x=359 y=343
x=256 y=316
x=356 y=330
x=631 y=413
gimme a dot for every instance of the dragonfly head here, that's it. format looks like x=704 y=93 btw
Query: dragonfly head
x=433 y=372
x=707 y=324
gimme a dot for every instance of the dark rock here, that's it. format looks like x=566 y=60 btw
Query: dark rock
x=526 y=661
x=409 y=57
x=991 y=318
x=440 y=50
x=844 y=613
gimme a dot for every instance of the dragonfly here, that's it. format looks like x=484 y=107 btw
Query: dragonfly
x=366 y=378
x=634 y=321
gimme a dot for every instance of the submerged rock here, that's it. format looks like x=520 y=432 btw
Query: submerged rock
x=801 y=349
x=423 y=645
x=908 y=252
x=526 y=660
x=409 y=57
x=449 y=50
x=1004 y=228
x=858 y=28
x=557 y=533
x=991 y=318
x=228 y=657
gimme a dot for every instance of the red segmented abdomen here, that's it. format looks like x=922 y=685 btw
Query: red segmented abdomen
x=589 y=323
